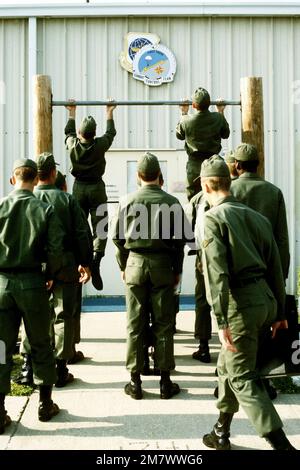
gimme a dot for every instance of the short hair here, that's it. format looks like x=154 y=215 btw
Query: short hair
x=218 y=183
x=88 y=135
x=249 y=165
x=203 y=106
x=149 y=176
x=45 y=174
x=25 y=174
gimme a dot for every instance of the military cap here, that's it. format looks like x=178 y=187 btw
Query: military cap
x=229 y=157
x=201 y=96
x=60 y=180
x=45 y=162
x=88 y=125
x=246 y=153
x=214 y=166
x=24 y=162
x=148 y=164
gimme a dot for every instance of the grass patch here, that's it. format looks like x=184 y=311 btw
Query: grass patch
x=285 y=385
x=19 y=390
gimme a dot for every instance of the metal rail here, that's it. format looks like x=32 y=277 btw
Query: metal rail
x=138 y=103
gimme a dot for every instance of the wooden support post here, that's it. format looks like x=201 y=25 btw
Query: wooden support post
x=42 y=114
x=253 y=116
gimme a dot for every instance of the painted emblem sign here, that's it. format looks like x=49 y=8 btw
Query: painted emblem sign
x=154 y=65
x=133 y=42
x=148 y=61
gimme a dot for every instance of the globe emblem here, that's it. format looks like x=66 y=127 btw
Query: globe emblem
x=136 y=45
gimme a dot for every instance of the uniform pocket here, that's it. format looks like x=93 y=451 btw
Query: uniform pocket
x=134 y=275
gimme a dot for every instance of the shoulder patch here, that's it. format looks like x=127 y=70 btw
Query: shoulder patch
x=205 y=243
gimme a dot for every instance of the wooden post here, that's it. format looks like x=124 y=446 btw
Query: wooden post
x=253 y=116
x=42 y=114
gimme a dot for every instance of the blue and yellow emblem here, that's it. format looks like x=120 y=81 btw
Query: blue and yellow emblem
x=133 y=42
x=154 y=65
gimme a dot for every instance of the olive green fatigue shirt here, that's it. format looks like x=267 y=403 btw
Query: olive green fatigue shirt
x=144 y=224
x=238 y=245
x=88 y=158
x=195 y=210
x=202 y=132
x=30 y=234
x=268 y=200
x=76 y=238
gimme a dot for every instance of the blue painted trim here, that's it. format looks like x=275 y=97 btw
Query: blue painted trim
x=117 y=304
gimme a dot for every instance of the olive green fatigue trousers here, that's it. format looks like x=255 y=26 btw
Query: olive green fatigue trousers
x=252 y=309
x=24 y=296
x=64 y=320
x=77 y=317
x=92 y=200
x=202 y=308
x=64 y=302
x=150 y=277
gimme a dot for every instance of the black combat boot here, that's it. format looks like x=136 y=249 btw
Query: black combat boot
x=278 y=440
x=134 y=387
x=167 y=388
x=26 y=375
x=146 y=366
x=4 y=418
x=219 y=437
x=63 y=375
x=202 y=354
x=96 y=277
x=47 y=409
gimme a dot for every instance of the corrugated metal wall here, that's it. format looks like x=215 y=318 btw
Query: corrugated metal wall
x=81 y=55
x=13 y=96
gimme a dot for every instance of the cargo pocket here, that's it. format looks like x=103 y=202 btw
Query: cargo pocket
x=135 y=271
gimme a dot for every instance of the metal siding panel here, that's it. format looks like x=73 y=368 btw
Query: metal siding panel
x=13 y=120
x=295 y=98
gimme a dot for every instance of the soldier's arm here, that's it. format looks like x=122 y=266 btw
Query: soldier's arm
x=275 y=278
x=282 y=237
x=118 y=237
x=106 y=140
x=182 y=235
x=54 y=244
x=70 y=129
x=215 y=269
x=180 y=133
x=225 y=131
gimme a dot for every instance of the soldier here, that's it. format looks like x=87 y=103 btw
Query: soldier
x=202 y=133
x=150 y=256
x=245 y=288
x=230 y=162
x=76 y=259
x=262 y=196
x=77 y=356
x=87 y=154
x=268 y=200
x=202 y=330
x=30 y=236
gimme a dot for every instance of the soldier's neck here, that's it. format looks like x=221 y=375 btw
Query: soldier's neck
x=22 y=185
x=215 y=197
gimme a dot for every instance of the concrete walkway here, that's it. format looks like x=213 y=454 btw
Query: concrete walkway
x=96 y=413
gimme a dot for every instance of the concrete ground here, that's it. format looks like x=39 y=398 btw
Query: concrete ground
x=96 y=413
